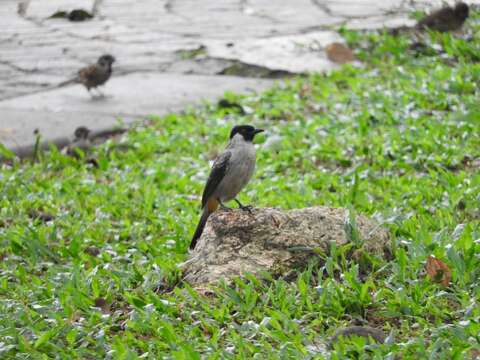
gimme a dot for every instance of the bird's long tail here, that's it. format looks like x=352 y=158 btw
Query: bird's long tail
x=201 y=225
x=68 y=82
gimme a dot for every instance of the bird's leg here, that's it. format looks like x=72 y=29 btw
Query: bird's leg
x=92 y=95
x=95 y=94
x=244 y=207
x=223 y=207
x=99 y=92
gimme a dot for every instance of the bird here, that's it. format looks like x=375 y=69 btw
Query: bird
x=81 y=141
x=81 y=132
x=94 y=75
x=230 y=173
x=445 y=19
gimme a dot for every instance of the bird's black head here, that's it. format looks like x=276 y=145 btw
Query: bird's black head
x=106 y=60
x=247 y=131
x=81 y=132
x=461 y=10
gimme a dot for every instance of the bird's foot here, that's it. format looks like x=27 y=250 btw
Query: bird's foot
x=94 y=95
x=100 y=94
x=248 y=208
x=225 y=208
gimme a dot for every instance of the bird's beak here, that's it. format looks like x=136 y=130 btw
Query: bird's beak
x=257 y=131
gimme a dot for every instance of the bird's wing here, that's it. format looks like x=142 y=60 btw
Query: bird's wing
x=88 y=72
x=437 y=18
x=217 y=173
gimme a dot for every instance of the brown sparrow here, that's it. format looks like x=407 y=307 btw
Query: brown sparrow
x=445 y=19
x=95 y=75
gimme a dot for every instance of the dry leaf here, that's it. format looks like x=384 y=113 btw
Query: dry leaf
x=102 y=304
x=474 y=354
x=339 y=53
x=438 y=271
x=305 y=91
x=6 y=133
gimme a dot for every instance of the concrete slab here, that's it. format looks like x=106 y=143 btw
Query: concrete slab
x=58 y=112
x=149 y=37
x=293 y=53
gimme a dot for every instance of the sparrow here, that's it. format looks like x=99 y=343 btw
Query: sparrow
x=80 y=141
x=445 y=19
x=94 y=75
x=230 y=173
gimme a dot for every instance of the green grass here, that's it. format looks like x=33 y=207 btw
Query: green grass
x=397 y=139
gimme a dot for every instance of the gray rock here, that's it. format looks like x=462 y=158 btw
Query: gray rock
x=237 y=241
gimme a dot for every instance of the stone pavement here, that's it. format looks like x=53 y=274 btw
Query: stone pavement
x=169 y=53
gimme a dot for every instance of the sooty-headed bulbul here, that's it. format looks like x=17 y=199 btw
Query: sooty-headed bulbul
x=231 y=172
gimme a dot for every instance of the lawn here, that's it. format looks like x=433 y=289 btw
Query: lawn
x=90 y=252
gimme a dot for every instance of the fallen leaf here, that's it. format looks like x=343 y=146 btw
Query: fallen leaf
x=339 y=53
x=6 y=132
x=438 y=271
x=102 y=304
x=305 y=91
x=475 y=354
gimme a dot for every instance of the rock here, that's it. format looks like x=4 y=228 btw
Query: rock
x=59 y=15
x=277 y=241
x=79 y=15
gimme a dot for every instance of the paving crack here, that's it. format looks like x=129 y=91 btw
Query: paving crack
x=96 y=7
x=16 y=67
x=169 y=8
x=44 y=89
x=244 y=8
x=323 y=7
x=243 y=69
x=400 y=10
x=8 y=39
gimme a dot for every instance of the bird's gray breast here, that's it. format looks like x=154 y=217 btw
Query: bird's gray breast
x=240 y=170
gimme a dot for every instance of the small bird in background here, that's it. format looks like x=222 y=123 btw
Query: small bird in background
x=78 y=148
x=445 y=19
x=94 y=75
x=80 y=141
x=231 y=172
